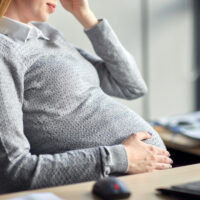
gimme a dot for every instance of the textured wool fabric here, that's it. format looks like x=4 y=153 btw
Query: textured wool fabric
x=59 y=123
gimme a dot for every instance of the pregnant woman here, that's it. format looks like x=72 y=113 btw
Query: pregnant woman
x=59 y=124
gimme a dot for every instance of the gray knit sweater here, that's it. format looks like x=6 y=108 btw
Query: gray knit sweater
x=58 y=121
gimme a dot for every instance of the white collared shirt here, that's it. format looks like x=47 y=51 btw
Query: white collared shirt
x=19 y=31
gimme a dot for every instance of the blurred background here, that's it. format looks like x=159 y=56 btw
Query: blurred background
x=161 y=37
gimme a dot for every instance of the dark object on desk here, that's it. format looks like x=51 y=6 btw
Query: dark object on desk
x=184 y=123
x=111 y=188
x=188 y=190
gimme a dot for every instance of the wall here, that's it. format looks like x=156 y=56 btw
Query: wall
x=171 y=57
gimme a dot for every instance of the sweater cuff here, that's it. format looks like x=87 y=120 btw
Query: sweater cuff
x=114 y=159
x=101 y=31
x=86 y=30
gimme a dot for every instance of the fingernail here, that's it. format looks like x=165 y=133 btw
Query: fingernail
x=170 y=166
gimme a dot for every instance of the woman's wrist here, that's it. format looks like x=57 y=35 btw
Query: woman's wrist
x=87 y=19
x=128 y=156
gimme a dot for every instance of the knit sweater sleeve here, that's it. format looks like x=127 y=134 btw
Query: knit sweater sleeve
x=116 y=67
x=22 y=170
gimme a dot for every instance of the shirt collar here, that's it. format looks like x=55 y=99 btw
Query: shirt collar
x=20 y=31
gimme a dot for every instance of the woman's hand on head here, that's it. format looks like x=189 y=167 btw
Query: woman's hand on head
x=76 y=7
x=144 y=157
x=81 y=10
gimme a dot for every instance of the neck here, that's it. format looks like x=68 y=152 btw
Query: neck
x=12 y=12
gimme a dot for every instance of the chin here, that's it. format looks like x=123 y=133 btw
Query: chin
x=42 y=19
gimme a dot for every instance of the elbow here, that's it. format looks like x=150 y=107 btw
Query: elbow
x=19 y=170
x=143 y=90
x=136 y=93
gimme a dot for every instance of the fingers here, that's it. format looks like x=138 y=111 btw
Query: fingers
x=159 y=163
x=162 y=162
x=164 y=159
x=155 y=166
x=142 y=135
x=161 y=166
x=158 y=151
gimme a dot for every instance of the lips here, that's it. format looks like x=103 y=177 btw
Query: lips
x=51 y=6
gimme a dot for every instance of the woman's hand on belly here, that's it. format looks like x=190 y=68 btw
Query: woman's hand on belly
x=144 y=157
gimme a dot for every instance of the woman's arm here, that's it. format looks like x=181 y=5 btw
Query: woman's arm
x=19 y=169
x=118 y=72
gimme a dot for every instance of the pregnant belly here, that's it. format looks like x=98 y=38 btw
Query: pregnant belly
x=95 y=122
x=109 y=122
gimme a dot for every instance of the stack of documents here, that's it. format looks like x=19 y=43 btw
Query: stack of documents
x=188 y=124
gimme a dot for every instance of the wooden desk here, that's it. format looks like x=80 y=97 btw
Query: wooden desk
x=179 y=141
x=142 y=185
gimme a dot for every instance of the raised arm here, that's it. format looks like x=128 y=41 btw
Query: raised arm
x=19 y=169
x=118 y=72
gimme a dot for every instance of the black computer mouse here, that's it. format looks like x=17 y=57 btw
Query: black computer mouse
x=111 y=188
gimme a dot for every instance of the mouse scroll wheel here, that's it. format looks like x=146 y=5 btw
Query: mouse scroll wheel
x=116 y=186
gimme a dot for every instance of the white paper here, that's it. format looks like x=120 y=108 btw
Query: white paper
x=38 y=196
x=191 y=130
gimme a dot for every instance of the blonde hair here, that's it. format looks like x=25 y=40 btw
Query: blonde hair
x=4 y=6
